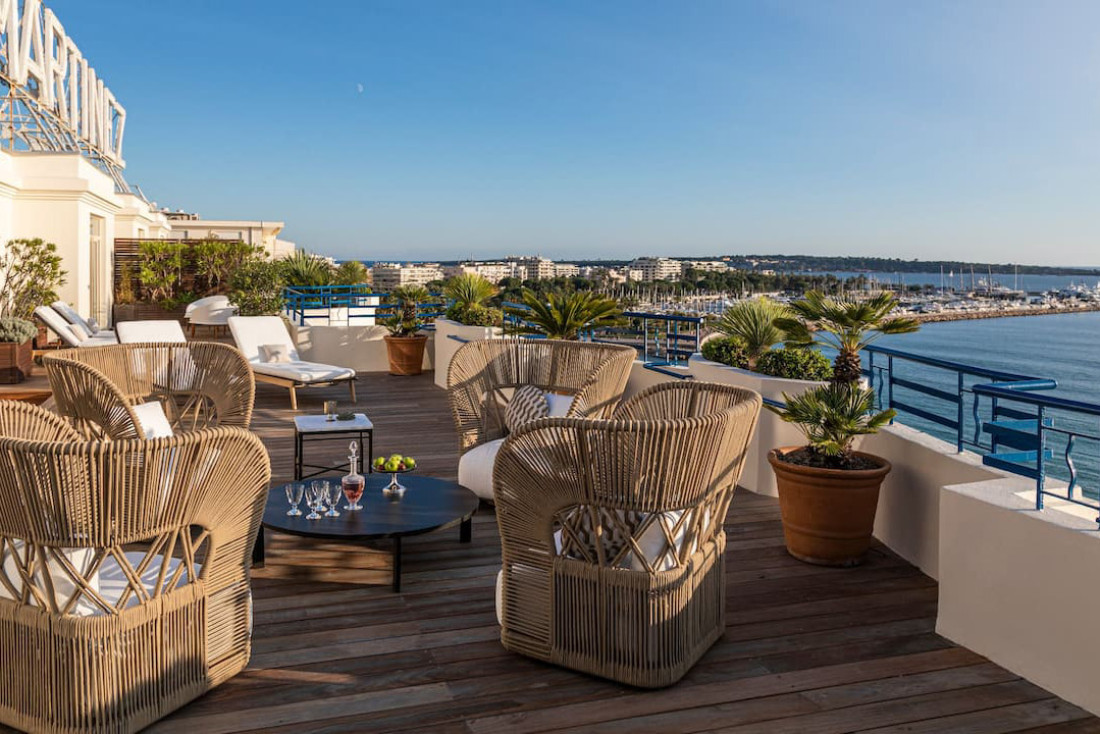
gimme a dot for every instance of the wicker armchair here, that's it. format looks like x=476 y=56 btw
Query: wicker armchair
x=484 y=374
x=200 y=385
x=612 y=532
x=124 y=582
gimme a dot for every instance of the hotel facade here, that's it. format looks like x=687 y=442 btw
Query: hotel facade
x=61 y=164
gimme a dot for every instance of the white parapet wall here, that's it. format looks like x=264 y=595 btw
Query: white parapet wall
x=361 y=348
x=771 y=432
x=909 y=506
x=449 y=336
x=1016 y=585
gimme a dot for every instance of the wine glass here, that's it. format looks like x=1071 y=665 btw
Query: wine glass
x=294 y=492
x=313 y=499
x=332 y=496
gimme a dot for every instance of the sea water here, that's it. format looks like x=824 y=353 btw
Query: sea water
x=1062 y=347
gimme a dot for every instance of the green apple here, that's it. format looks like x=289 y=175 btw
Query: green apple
x=392 y=465
x=380 y=462
x=410 y=462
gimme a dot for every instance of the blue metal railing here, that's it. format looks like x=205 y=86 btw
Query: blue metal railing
x=662 y=340
x=1011 y=420
x=349 y=302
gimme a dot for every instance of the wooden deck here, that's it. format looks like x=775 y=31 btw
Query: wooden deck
x=807 y=649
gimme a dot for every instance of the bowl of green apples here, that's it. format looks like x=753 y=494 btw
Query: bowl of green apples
x=393 y=465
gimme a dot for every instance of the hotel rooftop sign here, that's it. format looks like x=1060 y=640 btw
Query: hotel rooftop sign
x=51 y=99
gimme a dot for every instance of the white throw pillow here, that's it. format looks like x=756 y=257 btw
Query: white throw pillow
x=92 y=324
x=274 y=353
x=79 y=332
x=153 y=420
x=559 y=404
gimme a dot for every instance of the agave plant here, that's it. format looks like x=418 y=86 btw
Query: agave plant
x=566 y=315
x=845 y=324
x=305 y=268
x=752 y=323
x=407 y=299
x=832 y=416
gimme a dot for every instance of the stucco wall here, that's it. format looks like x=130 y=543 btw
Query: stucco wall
x=445 y=347
x=1016 y=586
x=359 y=347
x=909 y=505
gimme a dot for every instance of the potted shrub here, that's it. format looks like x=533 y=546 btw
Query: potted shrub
x=405 y=344
x=30 y=270
x=751 y=323
x=256 y=287
x=16 y=353
x=828 y=491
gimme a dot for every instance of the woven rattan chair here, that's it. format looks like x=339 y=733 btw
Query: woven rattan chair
x=611 y=532
x=200 y=385
x=484 y=374
x=124 y=582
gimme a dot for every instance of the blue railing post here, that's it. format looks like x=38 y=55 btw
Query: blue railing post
x=960 y=413
x=1040 y=461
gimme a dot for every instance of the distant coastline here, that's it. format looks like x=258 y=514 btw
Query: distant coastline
x=1000 y=313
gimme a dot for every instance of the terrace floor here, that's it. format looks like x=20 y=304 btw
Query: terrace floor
x=806 y=649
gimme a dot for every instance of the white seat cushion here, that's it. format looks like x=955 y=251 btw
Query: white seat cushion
x=138 y=332
x=109 y=581
x=559 y=405
x=153 y=420
x=475 y=468
x=306 y=372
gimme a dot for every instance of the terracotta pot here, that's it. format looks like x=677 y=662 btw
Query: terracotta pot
x=828 y=514
x=406 y=354
x=15 y=362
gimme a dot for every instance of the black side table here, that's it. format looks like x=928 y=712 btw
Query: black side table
x=314 y=428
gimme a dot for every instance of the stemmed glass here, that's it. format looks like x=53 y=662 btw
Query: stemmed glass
x=294 y=492
x=332 y=494
x=315 y=500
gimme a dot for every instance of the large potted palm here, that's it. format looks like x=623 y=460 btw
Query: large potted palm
x=405 y=343
x=828 y=491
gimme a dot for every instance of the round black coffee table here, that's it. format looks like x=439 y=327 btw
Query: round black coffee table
x=428 y=504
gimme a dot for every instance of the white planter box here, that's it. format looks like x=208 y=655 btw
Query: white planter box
x=449 y=336
x=771 y=432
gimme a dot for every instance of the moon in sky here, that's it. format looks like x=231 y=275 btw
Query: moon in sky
x=359 y=88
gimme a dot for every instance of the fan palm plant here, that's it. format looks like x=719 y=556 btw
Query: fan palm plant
x=845 y=324
x=753 y=323
x=831 y=417
x=305 y=268
x=566 y=315
x=407 y=299
x=351 y=272
x=469 y=289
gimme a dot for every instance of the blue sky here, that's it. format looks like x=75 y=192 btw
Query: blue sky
x=613 y=128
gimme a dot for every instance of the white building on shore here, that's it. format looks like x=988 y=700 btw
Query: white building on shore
x=61 y=135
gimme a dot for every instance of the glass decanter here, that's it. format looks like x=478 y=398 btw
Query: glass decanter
x=353 y=483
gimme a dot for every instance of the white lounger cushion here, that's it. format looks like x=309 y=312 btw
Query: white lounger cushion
x=138 y=332
x=306 y=372
x=252 y=332
x=60 y=327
